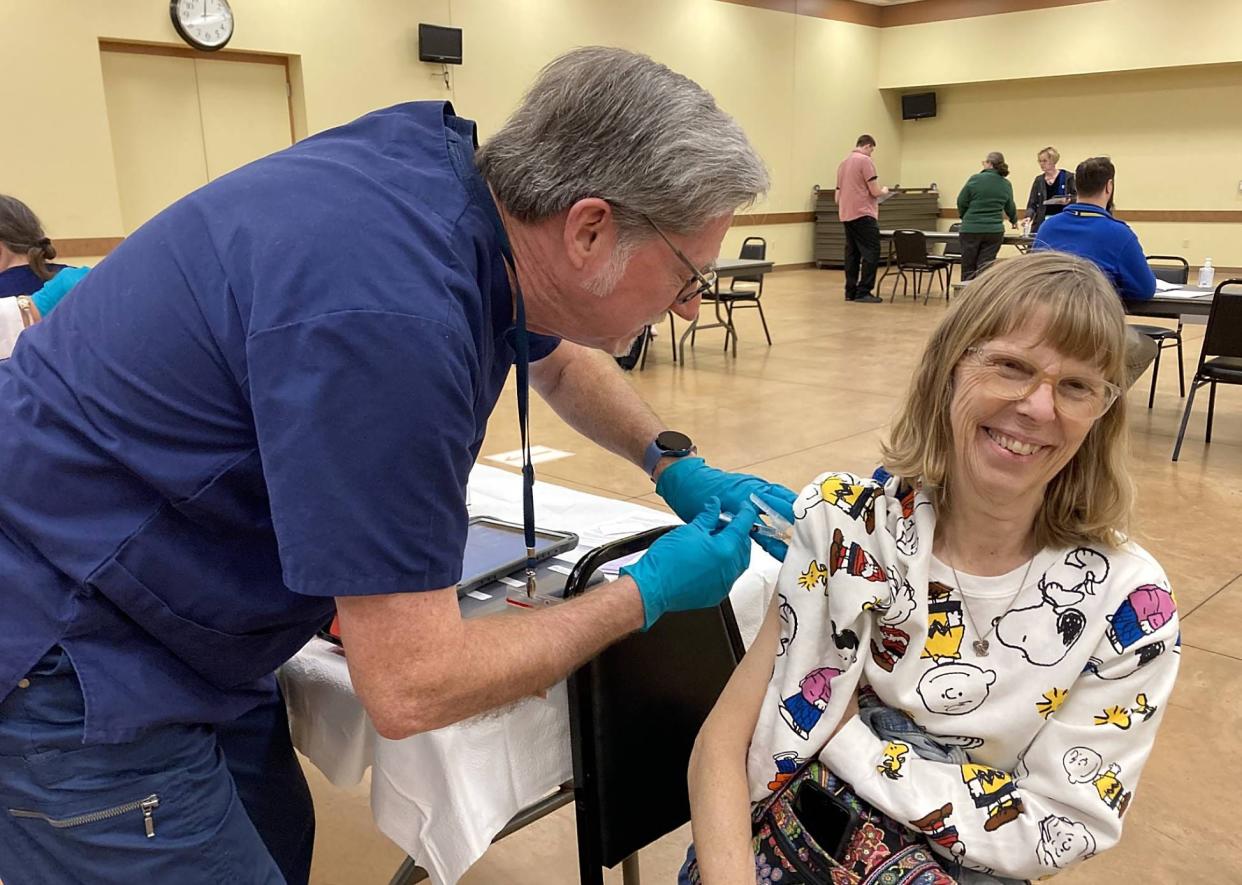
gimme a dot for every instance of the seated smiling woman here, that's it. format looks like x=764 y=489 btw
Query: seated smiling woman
x=973 y=651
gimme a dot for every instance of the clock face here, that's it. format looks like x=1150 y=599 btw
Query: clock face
x=204 y=24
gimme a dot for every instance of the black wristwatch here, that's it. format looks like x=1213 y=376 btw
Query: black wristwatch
x=669 y=444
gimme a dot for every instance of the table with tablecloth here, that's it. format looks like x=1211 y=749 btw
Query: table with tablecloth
x=442 y=796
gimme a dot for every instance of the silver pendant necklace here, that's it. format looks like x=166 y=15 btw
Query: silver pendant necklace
x=981 y=644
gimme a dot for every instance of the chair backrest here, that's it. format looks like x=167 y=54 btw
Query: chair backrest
x=910 y=246
x=1171 y=269
x=634 y=712
x=1223 y=336
x=752 y=247
x=954 y=247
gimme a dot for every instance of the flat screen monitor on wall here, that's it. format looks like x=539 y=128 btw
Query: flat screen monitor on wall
x=439 y=44
x=918 y=105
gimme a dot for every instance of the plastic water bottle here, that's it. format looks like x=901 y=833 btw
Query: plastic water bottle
x=1207 y=274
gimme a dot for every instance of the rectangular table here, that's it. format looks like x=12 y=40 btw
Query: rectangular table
x=725 y=268
x=949 y=236
x=444 y=795
x=1187 y=301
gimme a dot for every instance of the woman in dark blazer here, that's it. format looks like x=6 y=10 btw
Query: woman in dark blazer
x=1050 y=182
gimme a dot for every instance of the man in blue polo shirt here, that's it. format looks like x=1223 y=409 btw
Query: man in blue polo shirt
x=264 y=406
x=1087 y=228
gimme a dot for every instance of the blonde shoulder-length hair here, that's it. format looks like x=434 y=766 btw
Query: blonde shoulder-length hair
x=1090 y=500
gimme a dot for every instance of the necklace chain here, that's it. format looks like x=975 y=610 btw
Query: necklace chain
x=981 y=645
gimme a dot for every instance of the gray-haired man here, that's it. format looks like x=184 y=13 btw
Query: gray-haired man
x=265 y=404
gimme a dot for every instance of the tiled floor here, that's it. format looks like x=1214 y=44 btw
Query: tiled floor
x=819 y=399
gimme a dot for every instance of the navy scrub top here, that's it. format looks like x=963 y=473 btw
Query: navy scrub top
x=268 y=396
x=21 y=280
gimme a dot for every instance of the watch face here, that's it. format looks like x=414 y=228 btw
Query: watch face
x=673 y=441
x=204 y=24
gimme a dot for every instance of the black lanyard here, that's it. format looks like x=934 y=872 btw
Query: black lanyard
x=517 y=334
x=520 y=339
x=521 y=348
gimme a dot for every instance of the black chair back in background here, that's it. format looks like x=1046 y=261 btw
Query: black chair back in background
x=634 y=712
x=953 y=248
x=1170 y=268
x=1176 y=270
x=910 y=247
x=1220 y=361
x=754 y=248
x=910 y=251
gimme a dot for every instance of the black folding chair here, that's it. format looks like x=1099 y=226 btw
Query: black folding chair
x=952 y=257
x=733 y=297
x=634 y=712
x=1220 y=361
x=646 y=342
x=1170 y=269
x=910 y=247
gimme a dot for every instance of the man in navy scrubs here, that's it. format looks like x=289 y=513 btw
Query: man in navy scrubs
x=265 y=404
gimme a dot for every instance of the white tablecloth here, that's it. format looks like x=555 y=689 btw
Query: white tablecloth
x=444 y=795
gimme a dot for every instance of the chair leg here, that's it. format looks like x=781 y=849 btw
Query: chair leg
x=672 y=335
x=1155 y=373
x=764 y=320
x=1207 y=436
x=1181 y=431
x=629 y=870
x=1181 y=368
x=642 y=362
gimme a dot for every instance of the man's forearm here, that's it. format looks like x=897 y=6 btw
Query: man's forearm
x=503 y=658
x=590 y=394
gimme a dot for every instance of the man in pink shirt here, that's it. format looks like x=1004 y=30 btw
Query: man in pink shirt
x=858 y=206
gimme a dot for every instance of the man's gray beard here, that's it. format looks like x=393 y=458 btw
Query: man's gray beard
x=603 y=283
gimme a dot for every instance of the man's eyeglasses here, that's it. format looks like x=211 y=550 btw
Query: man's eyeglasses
x=1009 y=376
x=699 y=284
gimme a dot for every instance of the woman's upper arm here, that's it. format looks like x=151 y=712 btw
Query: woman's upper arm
x=736 y=712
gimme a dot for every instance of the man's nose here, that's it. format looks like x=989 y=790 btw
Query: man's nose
x=689 y=310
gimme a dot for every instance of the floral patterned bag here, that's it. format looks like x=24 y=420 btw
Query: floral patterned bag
x=881 y=851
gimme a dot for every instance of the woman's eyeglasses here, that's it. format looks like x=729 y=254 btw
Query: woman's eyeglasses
x=1009 y=376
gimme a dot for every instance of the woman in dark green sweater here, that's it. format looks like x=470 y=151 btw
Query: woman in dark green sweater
x=980 y=204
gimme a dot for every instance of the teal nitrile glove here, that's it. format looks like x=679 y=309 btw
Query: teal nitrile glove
x=687 y=484
x=695 y=565
x=57 y=288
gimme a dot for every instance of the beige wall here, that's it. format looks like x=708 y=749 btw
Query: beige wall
x=1116 y=35
x=802 y=88
x=1175 y=136
x=351 y=60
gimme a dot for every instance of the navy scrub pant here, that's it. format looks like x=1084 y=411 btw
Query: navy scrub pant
x=185 y=804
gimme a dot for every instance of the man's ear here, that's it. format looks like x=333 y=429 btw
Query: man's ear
x=590 y=234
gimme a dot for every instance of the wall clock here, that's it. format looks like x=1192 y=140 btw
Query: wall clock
x=204 y=24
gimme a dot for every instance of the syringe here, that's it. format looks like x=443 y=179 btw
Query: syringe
x=778 y=528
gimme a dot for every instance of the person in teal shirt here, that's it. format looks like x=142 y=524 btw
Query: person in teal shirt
x=982 y=204
x=26 y=255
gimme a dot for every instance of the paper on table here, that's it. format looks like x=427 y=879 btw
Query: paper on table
x=1181 y=292
x=1166 y=286
x=614 y=567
